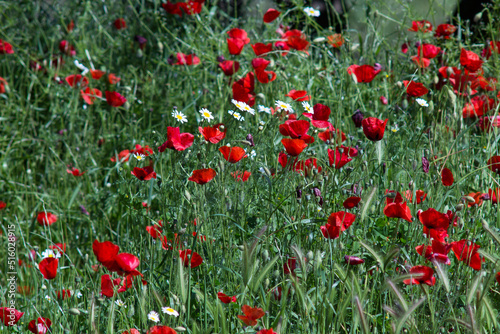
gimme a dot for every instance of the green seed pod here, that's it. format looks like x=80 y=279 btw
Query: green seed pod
x=265 y=255
x=404 y=104
x=266 y=283
x=74 y=311
x=188 y=195
x=469 y=199
x=180 y=329
x=459 y=207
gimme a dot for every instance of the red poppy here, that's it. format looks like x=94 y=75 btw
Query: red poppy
x=123 y=156
x=363 y=73
x=192 y=7
x=436 y=251
x=3 y=85
x=415 y=89
x=494 y=195
x=306 y=166
x=296 y=130
x=447 y=177
x=132 y=331
x=3 y=205
x=423 y=26
x=296 y=39
x=478 y=106
x=466 y=251
x=90 y=94
x=190 y=259
x=488 y=84
x=202 y=176
x=108 y=286
x=252 y=314
x=241 y=176
x=225 y=298
x=351 y=202
x=46 y=218
x=176 y=140
x=282 y=46
x=260 y=65
x=108 y=254
x=290 y=266
x=404 y=48
x=497 y=277
x=5 y=48
x=266 y=331
x=67 y=48
x=229 y=67
x=146 y=150
x=353 y=260
x=445 y=30
x=161 y=330
x=74 y=171
x=48 y=267
x=262 y=49
x=63 y=294
x=61 y=248
x=10 y=316
x=238 y=38
x=271 y=15
x=144 y=174
x=487 y=123
x=478 y=199
x=172 y=8
x=470 y=60
x=76 y=80
x=233 y=154
x=384 y=100
x=294 y=146
x=115 y=99
x=435 y=223
x=113 y=79
x=243 y=89
x=463 y=82
x=335 y=40
x=332 y=135
x=421 y=61
x=423 y=275
x=120 y=24
x=188 y=60
x=97 y=74
x=428 y=51
x=374 y=128
x=341 y=156
x=298 y=95
x=319 y=118
x=420 y=195
x=397 y=210
x=155 y=231
x=337 y=223
x=494 y=164
x=213 y=134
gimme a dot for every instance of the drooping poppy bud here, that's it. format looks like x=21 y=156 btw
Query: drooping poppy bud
x=374 y=128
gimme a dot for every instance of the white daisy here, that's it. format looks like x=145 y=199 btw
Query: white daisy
x=307 y=107
x=48 y=298
x=422 y=102
x=120 y=303
x=236 y=115
x=153 y=316
x=139 y=156
x=311 y=11
x=179 y=116
x=50 y=253
x=78 y=294
x=253 y=154
x=170 y=311
x=206 y=114
x=243 y=106
x=284 y=106
x=267 y=110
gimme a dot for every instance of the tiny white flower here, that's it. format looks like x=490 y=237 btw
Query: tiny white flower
x=311 y=11
x=236 y=115
x=170 y=311
x=50 y=253
x=307 y=107
x=139 y=156
x=49 y=299
x=120 y=303
x=206 y=114
x=153 y=316
x=267 y=110
x=262 y=123
x=78 y=294
x=285 y=106
x=179 y=116
x=243 y=106
x=422 y=102
x=253 y=154
x=395 y=128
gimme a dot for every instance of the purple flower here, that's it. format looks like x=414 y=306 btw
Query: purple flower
x=358 y=118
x=84 y=211
x=425 y=165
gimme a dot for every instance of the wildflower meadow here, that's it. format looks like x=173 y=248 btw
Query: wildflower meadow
x=230 y=167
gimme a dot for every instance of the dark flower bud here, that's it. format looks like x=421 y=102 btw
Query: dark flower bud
x=425 y=165
x=377 y=67
x=250 y=139
x=299 y=193
x=357 y=118
x=84 y=211
x=171 y=60
x=320 y=202
x=353 y=260
x=316 y=192
x=417 y=44
x=220 y=59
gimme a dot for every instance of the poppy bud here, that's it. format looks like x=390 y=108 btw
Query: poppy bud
x=139 y=53
x=399 y=84
x=74 y=311
x=357 y=118
x=469 y=199
x=319 y=39
x=459 y=207
x=436 y=79
x=220 y=58
x=391 y=194
x=299 y=193
x=478 y=16
x=250 y=139
x=241 y=248
x=265 y=255
x=316 y=192
x=353 y=260
x=430 y=109
x=188 y=195
x=266 y=170
x=377 y=67
x=160 y=46
x=384 y=100
x=404 y=104
x=425 y=165
x=266 y=283
x=417 y=44
x=180 y=329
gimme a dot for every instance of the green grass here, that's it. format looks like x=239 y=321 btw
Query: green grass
x=252 y=228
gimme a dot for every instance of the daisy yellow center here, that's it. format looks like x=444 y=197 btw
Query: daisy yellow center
x=139 y=157
x=206 y=114
x=179 y=116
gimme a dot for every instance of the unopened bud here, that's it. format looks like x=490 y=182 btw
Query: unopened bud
x=459 y=207
x=478 y=17
x=74 y=311
x=399 y=84
x=319 y=39
x=265 y=255
x=180 y=329
x=187 y=194
x=241 y=248
x=469 y=199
